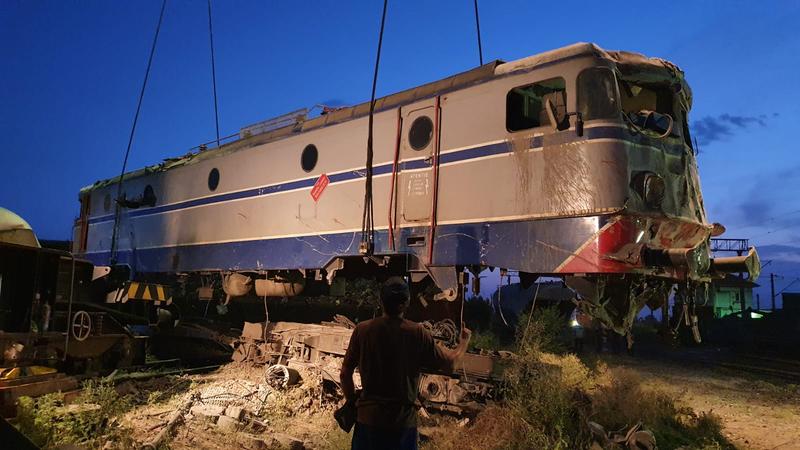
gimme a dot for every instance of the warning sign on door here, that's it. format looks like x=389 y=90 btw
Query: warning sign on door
x=319 y=187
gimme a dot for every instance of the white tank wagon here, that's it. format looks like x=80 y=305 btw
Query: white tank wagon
x=576 y=162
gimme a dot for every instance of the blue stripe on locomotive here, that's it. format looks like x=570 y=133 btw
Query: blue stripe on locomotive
x=531 y=246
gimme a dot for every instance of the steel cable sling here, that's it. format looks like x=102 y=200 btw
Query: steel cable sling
x=478 y=28
x=367 y=245
x=115 y=232
x=214 y=71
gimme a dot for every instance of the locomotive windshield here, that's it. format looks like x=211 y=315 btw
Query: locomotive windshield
x=647 y=106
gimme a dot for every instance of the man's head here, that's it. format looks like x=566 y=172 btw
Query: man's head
x=395 y=296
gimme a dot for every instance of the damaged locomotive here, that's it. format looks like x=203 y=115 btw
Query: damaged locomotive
x=575 y=163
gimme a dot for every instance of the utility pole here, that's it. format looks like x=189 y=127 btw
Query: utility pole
x=772 y=289
x=742 y=299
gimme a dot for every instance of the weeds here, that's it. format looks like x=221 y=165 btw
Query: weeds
x=49 y=422
x=549 y=400
x=624 y=401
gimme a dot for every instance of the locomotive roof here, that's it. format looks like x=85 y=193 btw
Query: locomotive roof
x=629 y=64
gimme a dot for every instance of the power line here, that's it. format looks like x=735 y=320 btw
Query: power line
x=787 y=286
x=773 y=231
x=771 y=219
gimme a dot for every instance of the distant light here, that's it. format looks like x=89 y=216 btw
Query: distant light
x=574 y=323
x=755 y=315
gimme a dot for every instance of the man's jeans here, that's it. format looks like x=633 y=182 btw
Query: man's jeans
x=366 y=437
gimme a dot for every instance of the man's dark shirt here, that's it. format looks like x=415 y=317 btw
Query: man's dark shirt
x=388 y=352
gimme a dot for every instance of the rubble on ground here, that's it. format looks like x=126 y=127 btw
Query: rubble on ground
x=285 y=376
x=239 y=402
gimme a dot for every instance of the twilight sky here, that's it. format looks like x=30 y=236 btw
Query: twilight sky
x=72 y=70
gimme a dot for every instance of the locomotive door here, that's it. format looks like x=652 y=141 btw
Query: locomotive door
x=418 y=147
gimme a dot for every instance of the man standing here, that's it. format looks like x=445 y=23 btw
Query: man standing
x=389 y=352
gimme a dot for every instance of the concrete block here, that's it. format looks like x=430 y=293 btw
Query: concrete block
x=237 y=412
x=226 y=423
x=208 y=410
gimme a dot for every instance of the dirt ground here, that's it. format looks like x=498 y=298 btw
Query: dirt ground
x=300 y=419
x=756 y=414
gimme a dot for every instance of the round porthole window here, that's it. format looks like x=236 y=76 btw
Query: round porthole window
x=213 y=179
x=107 y=203
x=421 y=132
x=308 y=160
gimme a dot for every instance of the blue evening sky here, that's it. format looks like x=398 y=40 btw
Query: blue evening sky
x=71 y=72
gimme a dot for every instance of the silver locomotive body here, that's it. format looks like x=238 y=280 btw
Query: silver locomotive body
x=575 y=162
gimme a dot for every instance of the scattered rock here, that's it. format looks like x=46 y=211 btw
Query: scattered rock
x=237 y=412
x=226 y=423
x=291 y=442
x=256 y=443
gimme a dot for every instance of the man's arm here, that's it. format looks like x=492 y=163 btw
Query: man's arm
x=346 y=378
x=463 y=342
x=349 y=364
x=446 y=358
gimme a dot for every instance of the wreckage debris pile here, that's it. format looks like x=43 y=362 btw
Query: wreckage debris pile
x=545 y=400
x=239 y=399
x=241 y=394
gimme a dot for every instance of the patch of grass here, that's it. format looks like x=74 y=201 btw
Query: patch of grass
x=494 y=428
x=624 y=402
x=49 y=421
x=485 y=340
x=542 y=331
x=548 y=400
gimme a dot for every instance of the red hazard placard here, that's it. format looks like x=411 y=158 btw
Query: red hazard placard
x=319 y=186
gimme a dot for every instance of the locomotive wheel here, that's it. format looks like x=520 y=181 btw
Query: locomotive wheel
x=81 y=325
x=280 y=377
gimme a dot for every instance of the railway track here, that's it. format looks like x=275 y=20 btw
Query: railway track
x=787 y=369
x=769 y=366
x=161 y=368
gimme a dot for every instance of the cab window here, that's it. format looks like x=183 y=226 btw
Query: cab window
x=597 y=94
x=525 y=105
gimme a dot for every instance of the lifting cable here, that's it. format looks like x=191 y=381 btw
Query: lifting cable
x=117 y=209
x=367 y=222
x=478 y=27
x=213 y=71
